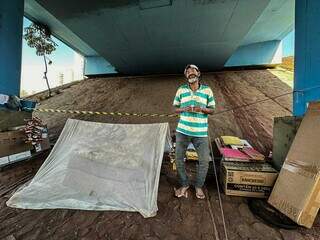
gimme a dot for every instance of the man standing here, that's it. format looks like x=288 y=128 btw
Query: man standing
x=193 y=101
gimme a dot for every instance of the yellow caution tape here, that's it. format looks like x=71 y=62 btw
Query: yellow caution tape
x=103 y=113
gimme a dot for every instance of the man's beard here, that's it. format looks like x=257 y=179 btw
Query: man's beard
x=193 y=79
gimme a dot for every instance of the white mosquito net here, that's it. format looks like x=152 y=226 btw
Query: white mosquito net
x=99 y=166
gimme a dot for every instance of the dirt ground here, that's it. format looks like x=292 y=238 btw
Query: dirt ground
x=154 y=94
x=177 y=218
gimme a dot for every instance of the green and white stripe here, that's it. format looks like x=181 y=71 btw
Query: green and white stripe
x=194 y=124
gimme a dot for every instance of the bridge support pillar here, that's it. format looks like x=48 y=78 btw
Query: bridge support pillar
x=11 y=24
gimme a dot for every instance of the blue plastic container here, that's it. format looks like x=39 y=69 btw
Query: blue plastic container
x=27 y=105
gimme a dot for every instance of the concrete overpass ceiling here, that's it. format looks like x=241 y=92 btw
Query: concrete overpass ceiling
x=154 y=36
x=36 y=12
x=276 y=21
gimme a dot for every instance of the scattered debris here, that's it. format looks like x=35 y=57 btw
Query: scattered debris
x=37 y=134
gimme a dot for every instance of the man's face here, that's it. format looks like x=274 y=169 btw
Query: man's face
x=191 y=73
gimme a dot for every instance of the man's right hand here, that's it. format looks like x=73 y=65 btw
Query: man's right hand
x=187 y=109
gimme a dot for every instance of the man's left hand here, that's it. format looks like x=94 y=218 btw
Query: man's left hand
x=202 y=110
x=206 y=110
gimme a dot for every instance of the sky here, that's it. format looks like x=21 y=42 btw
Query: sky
x=62 y=56
x=288 y=45
x=69 y=63
x=64 y=61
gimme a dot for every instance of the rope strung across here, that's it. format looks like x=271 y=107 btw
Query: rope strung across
x=219 y=194
x=152 y=114
x=300 y=91
x=102 y=113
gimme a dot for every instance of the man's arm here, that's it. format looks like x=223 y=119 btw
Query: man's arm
x=203 y=110
x=207 y=110
x=179 y=110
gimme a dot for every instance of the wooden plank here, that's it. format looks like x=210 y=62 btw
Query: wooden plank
x=9 y=119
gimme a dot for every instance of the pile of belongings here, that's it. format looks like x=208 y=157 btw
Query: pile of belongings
x=15 y=103
x=244 y=171
x=235 y=149
x=10 y=102
x=35 y=131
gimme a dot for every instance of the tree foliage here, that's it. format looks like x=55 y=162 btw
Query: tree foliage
x=38 y=36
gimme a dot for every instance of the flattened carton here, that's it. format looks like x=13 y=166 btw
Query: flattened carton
x=4 y=161
x=19 y=156
x=297 y=189
x=248 y=179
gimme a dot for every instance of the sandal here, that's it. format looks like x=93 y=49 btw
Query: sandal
x=181 y=192
x=200 y=194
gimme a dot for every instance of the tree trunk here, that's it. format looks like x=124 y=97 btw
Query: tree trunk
x=45 y=74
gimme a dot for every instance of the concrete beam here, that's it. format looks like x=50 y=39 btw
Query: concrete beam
x=262 y=53
x=96 y=65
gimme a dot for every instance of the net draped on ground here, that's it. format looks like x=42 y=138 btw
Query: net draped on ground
x=100 y=166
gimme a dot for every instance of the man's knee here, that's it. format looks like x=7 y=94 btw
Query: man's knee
x=203 y=151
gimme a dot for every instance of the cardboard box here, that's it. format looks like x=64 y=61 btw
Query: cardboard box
x=296 y=192
x=19 y=156
x=4 y=161
x=247 y=179
x=12 y=142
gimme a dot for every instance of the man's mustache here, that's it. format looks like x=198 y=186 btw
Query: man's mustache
x=192 y=76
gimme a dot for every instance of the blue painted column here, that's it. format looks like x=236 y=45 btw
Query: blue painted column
x=307 y=54
x=11 y=24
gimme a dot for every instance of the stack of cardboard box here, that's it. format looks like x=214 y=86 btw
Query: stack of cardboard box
x=297 y=189
x=244 y=171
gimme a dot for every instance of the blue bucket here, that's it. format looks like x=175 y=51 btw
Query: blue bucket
x=27 y=105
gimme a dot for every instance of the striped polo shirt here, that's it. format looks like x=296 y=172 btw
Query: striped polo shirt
x=193 y=123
